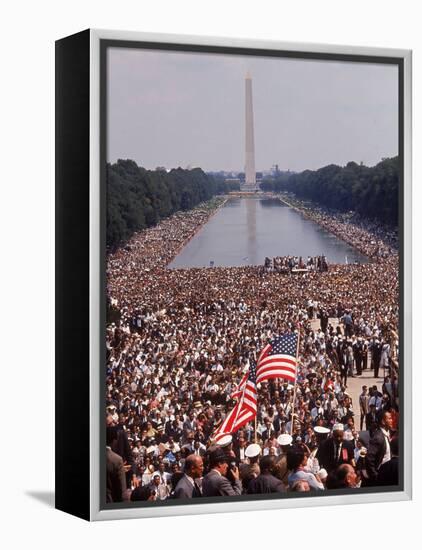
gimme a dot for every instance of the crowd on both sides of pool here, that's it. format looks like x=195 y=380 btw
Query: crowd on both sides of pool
x=180 y=340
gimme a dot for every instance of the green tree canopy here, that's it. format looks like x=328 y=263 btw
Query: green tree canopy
x=139 y=198
x=372 y=192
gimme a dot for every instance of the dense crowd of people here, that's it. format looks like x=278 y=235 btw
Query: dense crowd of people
x=180 y=340
x=368 y=236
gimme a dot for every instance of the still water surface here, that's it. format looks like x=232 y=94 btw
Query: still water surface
x=246 y=230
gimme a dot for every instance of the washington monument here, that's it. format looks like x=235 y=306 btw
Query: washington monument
x=250 y=174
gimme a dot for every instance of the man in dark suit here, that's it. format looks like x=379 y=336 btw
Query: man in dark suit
x=358 y=354
x=335 y=450
x=174 y=428
x=121 y=446
x=239 y=448
x=364 y=406
x=371 y=419
x=189 y=486
x=116 y=475
x=323 y=315
x=379 y=450
x=376 y=348
x=388 y=473
x=215 y=483
x=198 y=448
x=343 y=364
x=266 y=482
x=269 y=430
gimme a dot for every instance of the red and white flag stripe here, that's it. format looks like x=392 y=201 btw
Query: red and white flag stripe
x=278 y=359
x=237 y=392
x=277 y=366
x=244 y=410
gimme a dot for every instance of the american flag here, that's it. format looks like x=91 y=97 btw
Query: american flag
x=238 y=390
x=278 y=359
x=245 y=409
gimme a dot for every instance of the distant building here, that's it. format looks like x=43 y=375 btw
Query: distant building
x=232 y=180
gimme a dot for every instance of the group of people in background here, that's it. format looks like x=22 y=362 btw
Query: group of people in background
x=179 y=341
x=288 y=264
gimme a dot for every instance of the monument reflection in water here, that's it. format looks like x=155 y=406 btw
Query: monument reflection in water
x=246 y=230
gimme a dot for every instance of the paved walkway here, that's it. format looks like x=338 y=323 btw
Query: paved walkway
x=354 y=389
x=354 y=385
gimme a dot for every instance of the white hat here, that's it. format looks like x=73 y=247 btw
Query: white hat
x=321 y=430
x=338 y=427
x=323 y=473
x=225 y=440
x=252 y=450
x=284 y=439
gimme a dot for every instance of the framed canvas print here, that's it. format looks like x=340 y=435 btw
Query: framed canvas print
x=233 y=275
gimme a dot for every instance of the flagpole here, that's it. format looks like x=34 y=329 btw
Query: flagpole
x=295 y=386
x=255 y=438
x=257 y=408
x=239 y=406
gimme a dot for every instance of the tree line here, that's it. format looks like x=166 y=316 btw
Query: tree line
x=139 y=198
x=372 y=192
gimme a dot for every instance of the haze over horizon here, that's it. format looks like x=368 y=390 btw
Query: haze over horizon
x=183 y=109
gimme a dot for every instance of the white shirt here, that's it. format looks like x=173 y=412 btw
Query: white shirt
x=377 y=401
x=146 y=478
x=387 y=455
x=165 y=476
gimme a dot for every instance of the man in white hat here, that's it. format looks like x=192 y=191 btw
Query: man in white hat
x=284 y=440
x=322 y=473
x=281 y=470
x=225 y=441
x=252 y=452
x=250 y=469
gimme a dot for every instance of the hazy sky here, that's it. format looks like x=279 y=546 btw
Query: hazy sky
x=187 y=109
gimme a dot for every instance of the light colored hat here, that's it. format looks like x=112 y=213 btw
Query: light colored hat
x=321 y=430
x=323 y=473
x=284 y=439
x=252 y=450
x=338 y=427
x=225 y=440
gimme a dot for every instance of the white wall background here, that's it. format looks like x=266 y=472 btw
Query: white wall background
x=27 y=270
